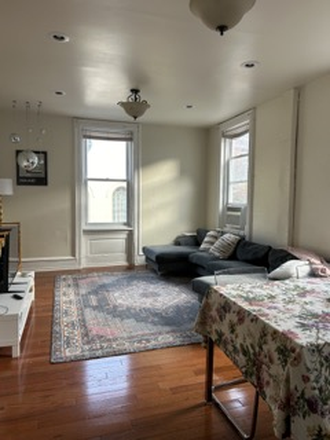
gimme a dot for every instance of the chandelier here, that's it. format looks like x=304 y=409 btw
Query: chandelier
x=220 y=15
x=134 y=106
x=28 y=159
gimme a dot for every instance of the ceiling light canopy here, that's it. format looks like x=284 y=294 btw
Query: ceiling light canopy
x=134 y=106
x=220 y=15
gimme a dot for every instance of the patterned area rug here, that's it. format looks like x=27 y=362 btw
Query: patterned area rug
x=106 y=314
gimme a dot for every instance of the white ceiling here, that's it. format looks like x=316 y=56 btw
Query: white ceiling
x=161 y=48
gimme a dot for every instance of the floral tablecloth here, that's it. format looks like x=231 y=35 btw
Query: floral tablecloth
x=278 y=334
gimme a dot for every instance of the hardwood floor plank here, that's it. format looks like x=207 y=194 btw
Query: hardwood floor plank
x=154 y=395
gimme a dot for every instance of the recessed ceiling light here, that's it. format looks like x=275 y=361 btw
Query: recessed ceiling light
x=59 y=37
x=60 y=92
x=250 y=64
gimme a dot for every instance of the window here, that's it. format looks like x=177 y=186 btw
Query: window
x=107 y=175
x=237 y=169
x=235 y=175
x=119 y=204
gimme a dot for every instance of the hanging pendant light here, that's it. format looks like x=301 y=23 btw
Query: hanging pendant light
x=220 y=15
x=14 y=137
x=134 y=106
x=27 y=159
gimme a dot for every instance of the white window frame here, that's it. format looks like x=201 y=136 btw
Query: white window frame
x=232 y=128
x=111 y=135
x=227 y=141
x=80 y=221
x=84 y=126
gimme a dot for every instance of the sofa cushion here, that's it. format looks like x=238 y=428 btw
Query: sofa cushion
x=225 y=245
x=201 y=234
x=168 y=253
x=210 y=238
x=253 y=253
x=186 y=240
x=201 y=285
x=202 y=258
x=218 y=264
x=277 y=257
x=176 y=267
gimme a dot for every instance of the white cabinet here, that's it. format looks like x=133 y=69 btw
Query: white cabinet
x=14 y=312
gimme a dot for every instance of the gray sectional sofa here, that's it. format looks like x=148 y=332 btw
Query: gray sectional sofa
x=185 y=257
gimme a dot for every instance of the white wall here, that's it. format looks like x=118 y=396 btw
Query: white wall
x=172 y=185
x=46 y=213
x=213 y=179
x=273 y=171
x=179 y=179
x=173 y=180
x=312 y=213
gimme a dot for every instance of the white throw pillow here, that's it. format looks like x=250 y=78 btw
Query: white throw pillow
x=225 y=246
x=291 y=269
x=210 y=238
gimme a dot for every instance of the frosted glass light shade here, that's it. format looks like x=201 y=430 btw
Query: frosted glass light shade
x=27 y=160
x=134 y=109
x=134 y=106
x=220 y=14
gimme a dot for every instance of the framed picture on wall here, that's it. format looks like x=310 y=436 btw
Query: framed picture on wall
x=36 y=176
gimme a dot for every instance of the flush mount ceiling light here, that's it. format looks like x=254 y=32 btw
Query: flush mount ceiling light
x=134 y=106
x=220 y=15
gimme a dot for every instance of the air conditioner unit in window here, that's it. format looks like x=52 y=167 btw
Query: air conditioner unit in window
x=235 y=217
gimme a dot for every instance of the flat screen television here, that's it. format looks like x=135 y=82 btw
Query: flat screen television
x=10 y=254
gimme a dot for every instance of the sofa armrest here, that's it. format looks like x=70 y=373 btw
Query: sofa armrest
x=186 y=240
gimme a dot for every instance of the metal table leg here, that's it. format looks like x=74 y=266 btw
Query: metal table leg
x=210 y=396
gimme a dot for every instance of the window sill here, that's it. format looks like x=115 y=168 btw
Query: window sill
x=106 y=228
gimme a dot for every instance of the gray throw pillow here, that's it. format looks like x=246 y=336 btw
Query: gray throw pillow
x=225 y=246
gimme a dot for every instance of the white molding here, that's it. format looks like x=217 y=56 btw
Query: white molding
x=247 y=117
x=49 y=264
x=134 y=243
x=140 y=260
x=69 y=263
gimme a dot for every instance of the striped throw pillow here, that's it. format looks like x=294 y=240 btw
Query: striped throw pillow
x=210 y=238
x=225 y=246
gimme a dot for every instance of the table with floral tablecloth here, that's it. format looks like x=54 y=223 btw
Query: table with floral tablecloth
x=278 y=334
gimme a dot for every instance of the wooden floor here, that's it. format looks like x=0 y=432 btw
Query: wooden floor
x=152 y=395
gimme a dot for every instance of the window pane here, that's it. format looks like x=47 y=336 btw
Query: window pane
x=106 y=159
x=119 y=204
x=238 y=169
x=237 y=193
x=107 y=202
x=240 y=145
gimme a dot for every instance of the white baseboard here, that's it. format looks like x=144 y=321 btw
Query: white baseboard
x=64 y=263
x=140 y=260
x=49 y=264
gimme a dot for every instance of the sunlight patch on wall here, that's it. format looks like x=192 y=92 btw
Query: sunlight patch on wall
x=167 y=198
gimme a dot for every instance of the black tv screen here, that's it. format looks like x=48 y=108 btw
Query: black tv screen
x=10 y=259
